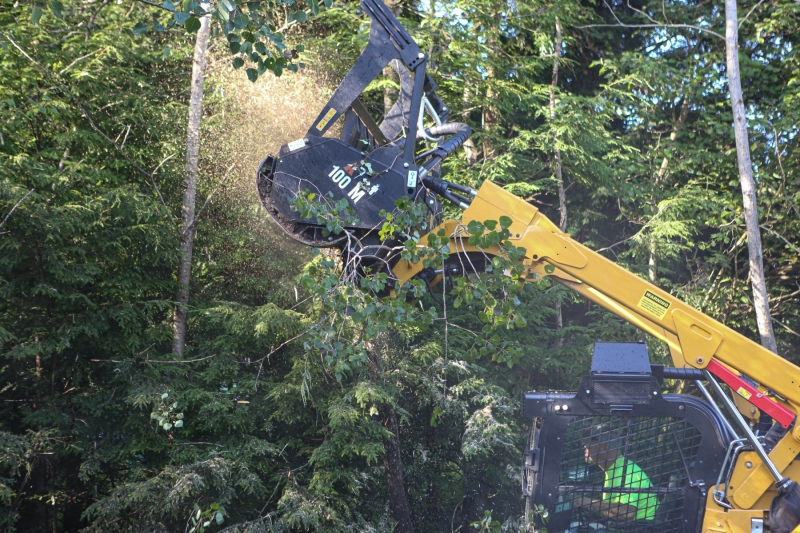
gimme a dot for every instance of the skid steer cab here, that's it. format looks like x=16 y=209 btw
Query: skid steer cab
x=618 y=455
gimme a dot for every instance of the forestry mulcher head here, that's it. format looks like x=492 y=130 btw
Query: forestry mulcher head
x=370 y=166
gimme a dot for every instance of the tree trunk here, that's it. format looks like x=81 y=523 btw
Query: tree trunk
x=760 y=298
x=491 y=115
x=470 y=151
x=190 y=184
x=562 y=196
x=394 y=476
x=652 y=262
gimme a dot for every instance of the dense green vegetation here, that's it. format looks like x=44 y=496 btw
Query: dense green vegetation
x=278 y=417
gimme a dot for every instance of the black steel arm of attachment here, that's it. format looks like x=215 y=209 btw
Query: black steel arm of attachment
x=388 y=40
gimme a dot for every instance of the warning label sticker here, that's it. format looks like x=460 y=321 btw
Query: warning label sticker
x=296 y=145
x=743 y=393
x=654 y=304
x=324 y=122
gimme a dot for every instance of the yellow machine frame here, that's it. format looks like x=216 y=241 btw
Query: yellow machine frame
x=694 y=339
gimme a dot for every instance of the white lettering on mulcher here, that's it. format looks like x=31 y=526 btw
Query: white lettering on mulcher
x=340 y=177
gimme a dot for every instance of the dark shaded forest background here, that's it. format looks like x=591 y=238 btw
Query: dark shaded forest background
x=102 y=430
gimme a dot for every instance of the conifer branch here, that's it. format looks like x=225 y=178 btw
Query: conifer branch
x=88 y=118
x=15 y=207
x=655 y=23
x=659 y=25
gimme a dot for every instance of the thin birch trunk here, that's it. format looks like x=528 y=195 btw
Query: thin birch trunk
x=652 y=262
x=470 y=150
x=190 y=184
x=562 y=196
x=757 y=280
x=491 y=115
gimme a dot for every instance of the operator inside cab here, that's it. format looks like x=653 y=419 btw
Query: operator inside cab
x=604 y=449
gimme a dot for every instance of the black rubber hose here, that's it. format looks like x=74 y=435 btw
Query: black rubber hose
x=459 y=133
x=449 y=128
x=684 y=373
x=462 y=188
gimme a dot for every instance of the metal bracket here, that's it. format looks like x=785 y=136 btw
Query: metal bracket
x=427 y=106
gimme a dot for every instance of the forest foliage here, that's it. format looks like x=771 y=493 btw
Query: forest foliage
x=277 y=417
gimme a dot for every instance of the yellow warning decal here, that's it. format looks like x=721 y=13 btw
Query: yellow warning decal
x=743 y=393
x=654 y=304
x=324 y=122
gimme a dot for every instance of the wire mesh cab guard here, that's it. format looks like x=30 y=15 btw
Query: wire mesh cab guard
x=617 y=455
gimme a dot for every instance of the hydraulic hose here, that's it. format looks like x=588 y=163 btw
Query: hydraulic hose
x=458 y=132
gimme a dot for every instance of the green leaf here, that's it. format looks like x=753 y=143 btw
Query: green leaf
x=181 y=17
x=193 y=24
x=238 y=62
x=252 y=74
x=169 y=5
x=165 y=396
x=36 y=14
x=218 y=518
x=57 y=7
x=314 y=5
x=240 y=20
x=140 y=28
x=179 y=424
x=167 y=52
x=300 y=16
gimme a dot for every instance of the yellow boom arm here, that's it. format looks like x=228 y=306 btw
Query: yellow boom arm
x=694 y=339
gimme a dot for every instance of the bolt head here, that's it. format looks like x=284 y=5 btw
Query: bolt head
x=748 y=464
x=588 y=391
x=405 y=165
x=700 y=360
x=655 y=393
x=565 y=407
x=421 y=55
x=557 y=407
